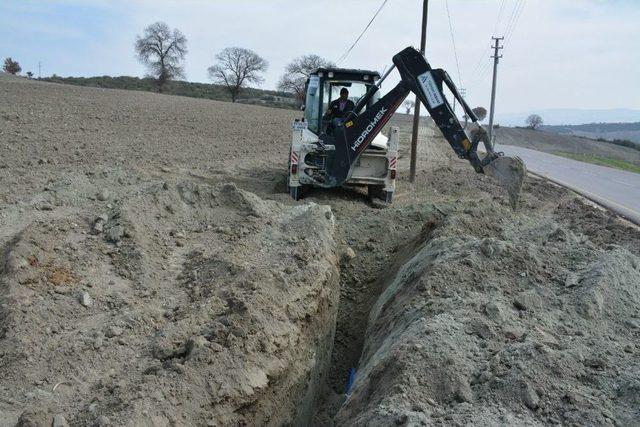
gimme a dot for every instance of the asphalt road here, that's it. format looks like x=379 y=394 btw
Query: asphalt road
x=616 y=189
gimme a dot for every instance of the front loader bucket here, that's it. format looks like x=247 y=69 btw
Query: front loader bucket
x=510 y=173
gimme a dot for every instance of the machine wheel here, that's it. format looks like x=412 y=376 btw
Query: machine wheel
x=295 y=193
x=388 y=196
x=375 y=191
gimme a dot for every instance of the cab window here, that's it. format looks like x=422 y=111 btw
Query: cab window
x=356 y=89
x=312 y=103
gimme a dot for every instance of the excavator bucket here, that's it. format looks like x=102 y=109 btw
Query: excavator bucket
x=510 y=173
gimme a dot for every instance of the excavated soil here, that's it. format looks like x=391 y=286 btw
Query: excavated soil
x=154 y=272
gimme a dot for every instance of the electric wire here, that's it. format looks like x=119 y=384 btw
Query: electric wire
x=509 y=30
x=515 y=25
x=513 y=19
x=480 y=63
x=516 y=4
x=348 y=51
x=483 y=63
x=453 y=42
x=495 y=27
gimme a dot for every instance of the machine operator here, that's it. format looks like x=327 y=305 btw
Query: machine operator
x=339 y=108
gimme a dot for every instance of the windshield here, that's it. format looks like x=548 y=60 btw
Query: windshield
x=329 y=90
x=332 y=91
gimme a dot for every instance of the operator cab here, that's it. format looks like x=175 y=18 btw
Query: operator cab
x=323 y=86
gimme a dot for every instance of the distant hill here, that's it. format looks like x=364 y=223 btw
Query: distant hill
x=572 y=116
x=608 y=131
x=195 y=90
x=554 y=143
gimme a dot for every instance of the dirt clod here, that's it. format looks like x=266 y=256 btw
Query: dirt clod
x=85 y=299
x=529 y=396
x=59 y=421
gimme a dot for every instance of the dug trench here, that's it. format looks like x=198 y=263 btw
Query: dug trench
x=183 y=299
x=498 y=319
x=460 y=311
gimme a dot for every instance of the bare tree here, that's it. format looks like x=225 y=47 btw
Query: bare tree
x=236 y=68
x=534 y=121
x=297 y=72
x=408 y=105
x=11 y=66
x=29 y=74
x=480 y=112
x=162 y=51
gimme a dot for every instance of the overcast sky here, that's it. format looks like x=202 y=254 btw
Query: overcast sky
x=560 y=54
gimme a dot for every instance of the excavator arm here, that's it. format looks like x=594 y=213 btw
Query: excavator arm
x=359 y=129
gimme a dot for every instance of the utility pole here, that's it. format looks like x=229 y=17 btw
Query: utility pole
x=496 y=59
x=416 y=108
x=39 y=69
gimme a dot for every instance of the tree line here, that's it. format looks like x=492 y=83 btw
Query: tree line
x=162 y=50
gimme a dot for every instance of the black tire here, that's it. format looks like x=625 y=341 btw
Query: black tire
x=375 y=191
x=295 y=193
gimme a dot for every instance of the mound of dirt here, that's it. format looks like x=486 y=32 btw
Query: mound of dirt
x=182 y=304
x=534 y=326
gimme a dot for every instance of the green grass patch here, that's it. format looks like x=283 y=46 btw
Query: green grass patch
x=602 y=161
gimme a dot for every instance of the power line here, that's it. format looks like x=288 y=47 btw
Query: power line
x=515 y=25
x=483 y=64
x=480 y=63
x=512 y=22
x=495 y=28
x=344 y=55
x=483 y=72
x=453 y=42
x=516 y=4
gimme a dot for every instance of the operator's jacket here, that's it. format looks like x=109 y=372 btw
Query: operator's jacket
x=336 y=112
